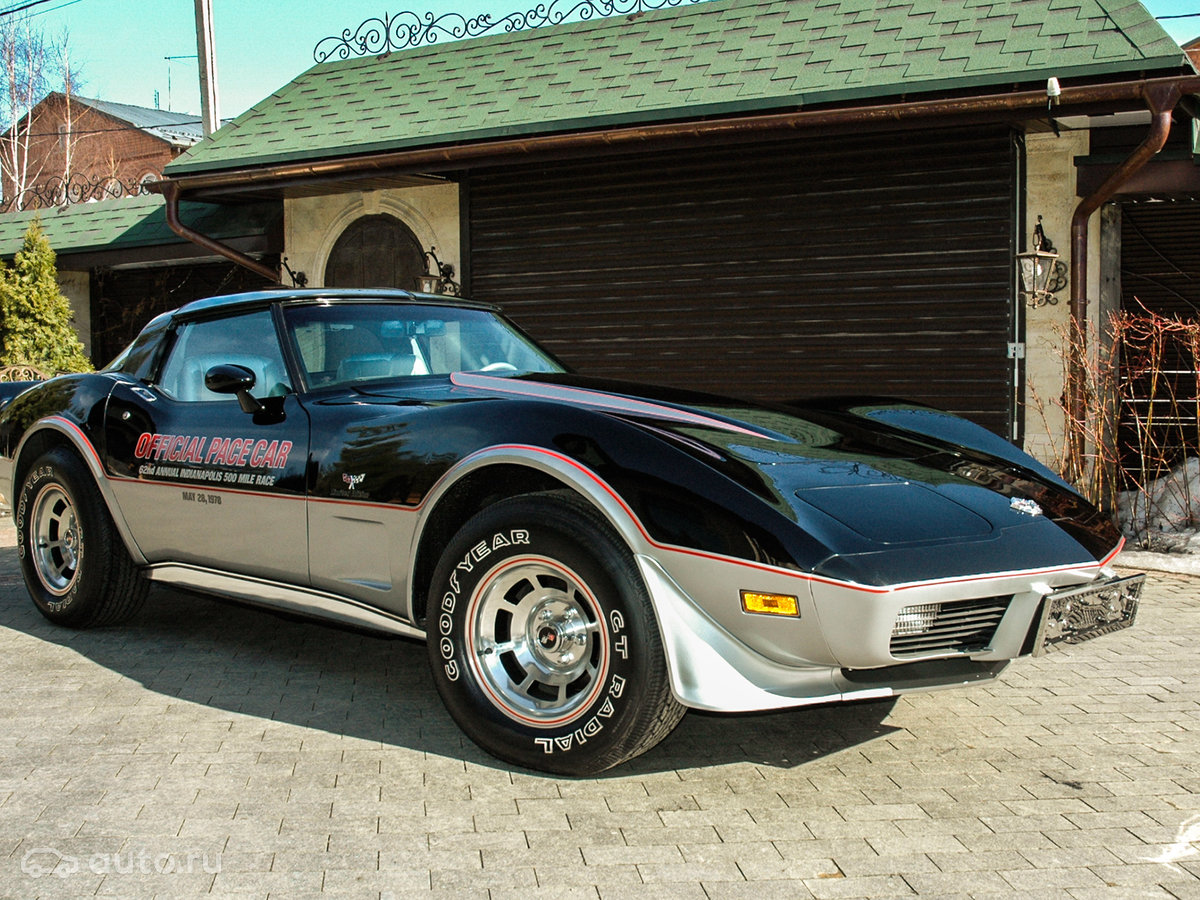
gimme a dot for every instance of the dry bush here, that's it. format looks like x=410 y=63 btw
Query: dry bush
x=1127 y=448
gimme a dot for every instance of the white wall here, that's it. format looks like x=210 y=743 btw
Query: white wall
x=312 y=225
x=76 y=287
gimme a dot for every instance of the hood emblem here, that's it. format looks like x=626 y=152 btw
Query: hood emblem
x=1025 y=505
x=353 y=481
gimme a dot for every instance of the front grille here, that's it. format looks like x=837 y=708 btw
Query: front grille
x=959 y=626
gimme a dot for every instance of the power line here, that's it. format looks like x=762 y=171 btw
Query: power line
x=29 y=4
x=56 y=8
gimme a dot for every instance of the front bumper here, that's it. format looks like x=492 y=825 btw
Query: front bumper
x=849 y=642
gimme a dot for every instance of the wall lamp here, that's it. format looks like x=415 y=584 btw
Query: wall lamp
x=439 y=277
x=1042 y=273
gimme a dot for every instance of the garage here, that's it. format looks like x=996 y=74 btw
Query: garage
x=865 y=264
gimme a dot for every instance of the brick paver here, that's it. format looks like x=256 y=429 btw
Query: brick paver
x=208 y=748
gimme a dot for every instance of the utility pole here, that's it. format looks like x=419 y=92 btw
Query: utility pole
x=206 y=51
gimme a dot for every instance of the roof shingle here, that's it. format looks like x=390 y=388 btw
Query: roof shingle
x=714 y=57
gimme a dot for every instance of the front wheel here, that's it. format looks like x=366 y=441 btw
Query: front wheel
x=76 y=568
x=543 y=642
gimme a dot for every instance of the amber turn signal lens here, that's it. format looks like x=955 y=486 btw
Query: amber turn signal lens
x=770 y=604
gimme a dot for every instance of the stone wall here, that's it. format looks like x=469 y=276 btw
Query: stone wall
x=1050 y=193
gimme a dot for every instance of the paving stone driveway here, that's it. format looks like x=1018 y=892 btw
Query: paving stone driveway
x=212 y=749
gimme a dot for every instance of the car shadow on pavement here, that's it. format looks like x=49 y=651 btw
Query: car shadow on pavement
x=287 y=669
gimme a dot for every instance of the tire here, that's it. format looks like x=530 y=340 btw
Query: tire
x=76 y=567
x=542 y=640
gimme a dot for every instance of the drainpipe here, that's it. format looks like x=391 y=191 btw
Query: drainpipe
x=1161 y=100
x=170 y=191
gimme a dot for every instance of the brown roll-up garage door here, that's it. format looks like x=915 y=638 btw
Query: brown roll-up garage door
x=869 y=264
x=1160 y=257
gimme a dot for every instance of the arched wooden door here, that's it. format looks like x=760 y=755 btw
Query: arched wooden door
x=376 y=251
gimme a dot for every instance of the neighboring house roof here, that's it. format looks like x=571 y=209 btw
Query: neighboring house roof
x=177 y=129
x=719 y=57
x=135 y=222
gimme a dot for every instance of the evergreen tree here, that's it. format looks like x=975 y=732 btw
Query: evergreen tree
x=35 y=317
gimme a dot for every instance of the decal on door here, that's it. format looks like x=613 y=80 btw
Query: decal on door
x=209 y=457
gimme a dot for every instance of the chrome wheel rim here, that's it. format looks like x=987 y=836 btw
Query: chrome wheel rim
x=55 y=539
x=537 y=641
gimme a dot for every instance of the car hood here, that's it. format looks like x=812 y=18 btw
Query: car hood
x=887 y=486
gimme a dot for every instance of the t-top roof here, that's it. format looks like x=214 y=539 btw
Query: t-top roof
x=712 y=58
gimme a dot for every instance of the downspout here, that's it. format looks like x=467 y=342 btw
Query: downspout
x=170 y=191
x=1161 y=99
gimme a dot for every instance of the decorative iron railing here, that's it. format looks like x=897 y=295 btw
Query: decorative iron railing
x=22 y=373
x=403 y=30
x=74 y=188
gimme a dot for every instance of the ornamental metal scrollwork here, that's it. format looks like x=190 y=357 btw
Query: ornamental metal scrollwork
x=404 y=30
x=74 y=188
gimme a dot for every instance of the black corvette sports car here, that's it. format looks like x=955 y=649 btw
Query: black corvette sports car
x=585 y=559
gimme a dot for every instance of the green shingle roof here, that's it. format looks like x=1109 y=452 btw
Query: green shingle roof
x=715 y=57
x=129 y=223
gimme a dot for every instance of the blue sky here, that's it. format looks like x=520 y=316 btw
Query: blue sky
x=122 y=45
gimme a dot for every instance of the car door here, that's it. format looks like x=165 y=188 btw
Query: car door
x=199 y=479
x=370 y=458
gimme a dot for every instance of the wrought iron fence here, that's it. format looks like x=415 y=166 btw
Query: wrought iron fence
x=74 y=188
x=402 y=30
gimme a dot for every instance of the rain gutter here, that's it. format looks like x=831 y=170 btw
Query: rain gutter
x=1100 y=97
x=171 y=191
x=1161 y=99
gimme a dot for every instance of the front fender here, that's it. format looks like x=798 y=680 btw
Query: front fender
x=710 y=667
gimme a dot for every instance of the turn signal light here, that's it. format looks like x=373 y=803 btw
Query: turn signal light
x=916 y=619
x=770 y=604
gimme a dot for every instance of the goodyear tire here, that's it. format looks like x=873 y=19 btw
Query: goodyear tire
x=76 y=568
x=542 y=640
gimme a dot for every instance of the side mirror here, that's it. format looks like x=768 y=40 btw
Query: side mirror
x=233 y=379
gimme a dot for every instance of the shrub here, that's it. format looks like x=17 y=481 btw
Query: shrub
x=35 y=317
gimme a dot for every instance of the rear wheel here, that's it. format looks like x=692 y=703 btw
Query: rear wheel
x=76 y=568
x=543 y=642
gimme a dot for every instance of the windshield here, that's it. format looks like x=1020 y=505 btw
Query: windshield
x=347 y=343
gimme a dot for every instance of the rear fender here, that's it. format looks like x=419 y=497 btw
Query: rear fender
x=10 y=390
x=63 y=430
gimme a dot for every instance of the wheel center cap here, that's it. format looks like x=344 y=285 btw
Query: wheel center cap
x=548 y=638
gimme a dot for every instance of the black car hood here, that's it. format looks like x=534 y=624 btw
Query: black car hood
x=896 y=490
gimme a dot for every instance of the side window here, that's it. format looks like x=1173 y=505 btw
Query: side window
x=248 y=340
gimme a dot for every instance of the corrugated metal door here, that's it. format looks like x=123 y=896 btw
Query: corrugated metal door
x=124 y=300
x=876 y=265
x=1160 y=257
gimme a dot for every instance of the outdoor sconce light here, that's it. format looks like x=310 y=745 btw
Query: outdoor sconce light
x=1042 y=273
x=441 y=279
